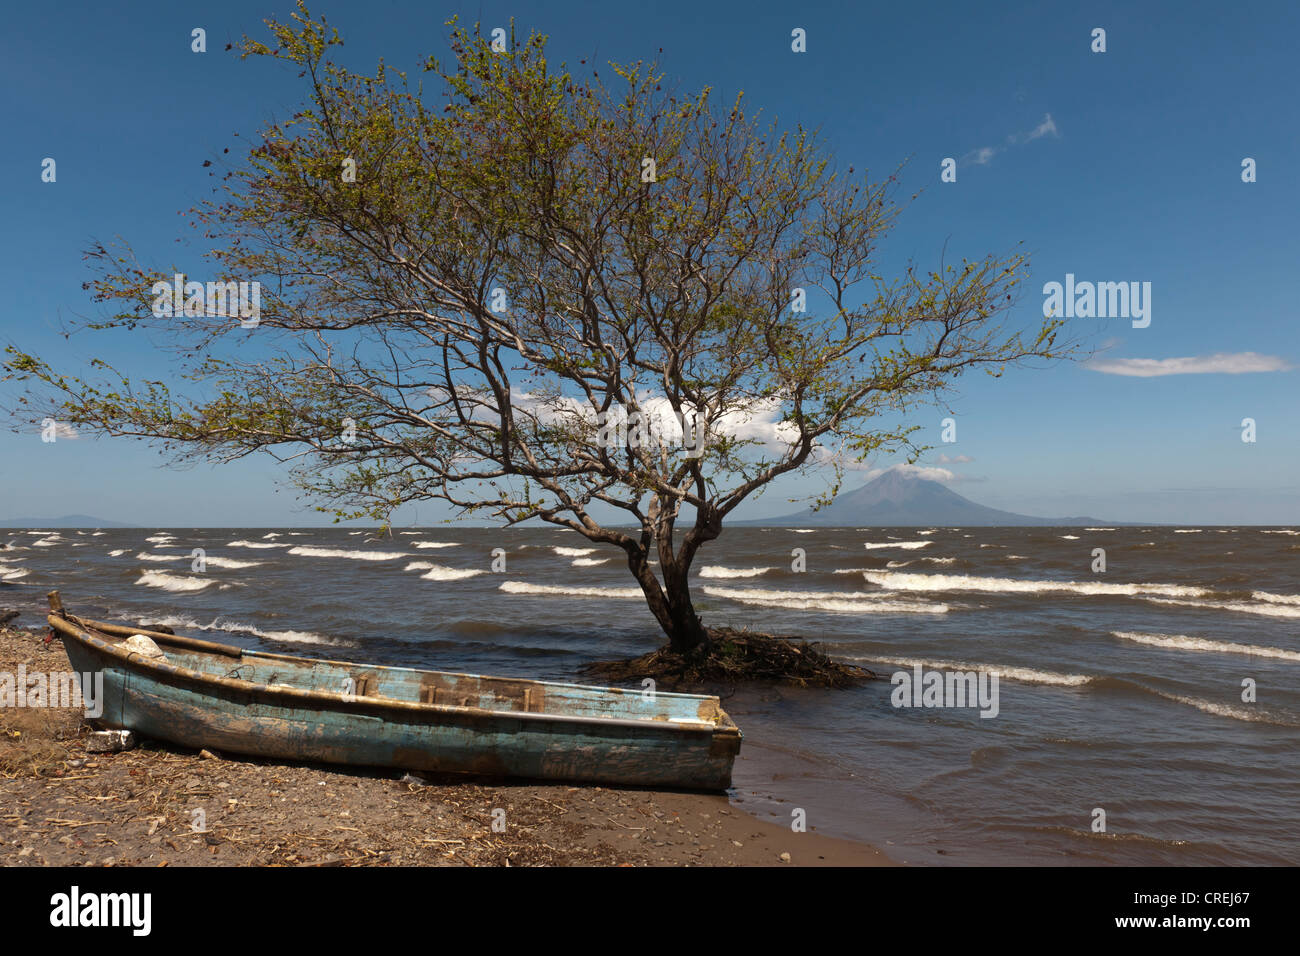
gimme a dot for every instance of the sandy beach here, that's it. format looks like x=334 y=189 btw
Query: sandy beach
x=159 y=805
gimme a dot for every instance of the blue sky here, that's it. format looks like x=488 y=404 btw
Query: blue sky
x=1115 y=166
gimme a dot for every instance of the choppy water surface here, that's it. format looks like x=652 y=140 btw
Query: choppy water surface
x=1119 y=690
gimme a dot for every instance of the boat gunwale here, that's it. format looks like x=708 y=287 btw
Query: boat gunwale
x=84 y=631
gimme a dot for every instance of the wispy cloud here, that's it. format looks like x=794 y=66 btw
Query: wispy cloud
x=954 y=459
x=914 y=471
x=1046 y=128
x=1221 y=363
x=984 y=155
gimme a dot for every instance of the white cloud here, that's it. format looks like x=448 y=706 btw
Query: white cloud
x=984 y=155
x=1222 y=363
x=955 y=459
x=981 y=156
x=1048 y=125
x=915 y=471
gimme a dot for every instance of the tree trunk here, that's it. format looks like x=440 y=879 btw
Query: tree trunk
x=687 y=633
x=671 y=603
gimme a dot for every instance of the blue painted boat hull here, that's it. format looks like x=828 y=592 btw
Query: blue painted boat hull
x=282 y=707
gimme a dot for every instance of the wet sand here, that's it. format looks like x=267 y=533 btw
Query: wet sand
x=160 y=805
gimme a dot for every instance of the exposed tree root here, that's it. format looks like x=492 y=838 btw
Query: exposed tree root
x=736 y=657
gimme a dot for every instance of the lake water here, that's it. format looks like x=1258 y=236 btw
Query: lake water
x=1120 y=691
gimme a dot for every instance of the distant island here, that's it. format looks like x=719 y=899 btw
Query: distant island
x=893 y=499
x=67 y=521
x=896 y=499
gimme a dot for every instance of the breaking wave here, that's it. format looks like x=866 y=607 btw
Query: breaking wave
x=235 y=627
x=838 y=601
x=904 y=581
x=307 y=551
x=522 y=587
x=438 y=572
x=718 y=571
x=172 y=582
x=1021 y=675
x=1239 y=607
x=219 y=562
x=1181 y=642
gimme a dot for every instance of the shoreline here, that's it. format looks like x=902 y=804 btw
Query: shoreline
x=143 y=807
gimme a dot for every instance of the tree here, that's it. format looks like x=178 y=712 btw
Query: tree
x=531 y=293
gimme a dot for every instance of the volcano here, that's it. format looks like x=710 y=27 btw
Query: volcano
x=897 y=499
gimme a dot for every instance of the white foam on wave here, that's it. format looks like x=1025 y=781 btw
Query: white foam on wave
x=118 y=553
x=897 y=564
x=258 y=544
x=1275 y=598
x=161 y=538
x=589 y=562
x=850 y=602
x=1248 y=714
x=235 y=627
x=13 y=574
x=439 y=572
x=1021 y=675
x=172 y=582
x=308 y=551
x=1239 y=607
x=573 y=552
x=1182 y=642
x=270 y=534
x=1098 y=529
x=904 y=545
x=1187 y=531
x=522 y=587
x=719 y=571
x=906 y=581
x=930 y=531
x=146 y=556
x=1070 y=537
x=1293 y=533
x=48 y=542
x=803 y=530
x=436 y=544
x=216 y=561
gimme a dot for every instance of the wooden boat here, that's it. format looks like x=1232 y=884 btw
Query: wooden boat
x=204 y=694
